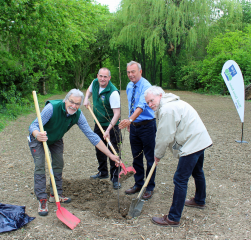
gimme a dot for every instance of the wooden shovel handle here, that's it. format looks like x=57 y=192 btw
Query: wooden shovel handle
x=46 y=151
x=147 y=179
x=102 y=130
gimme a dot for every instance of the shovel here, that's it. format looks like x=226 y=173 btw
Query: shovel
x=137 y=204
x=129 y=170
x=65 y=216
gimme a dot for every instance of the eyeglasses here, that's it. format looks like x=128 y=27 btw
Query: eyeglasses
x=77 y=104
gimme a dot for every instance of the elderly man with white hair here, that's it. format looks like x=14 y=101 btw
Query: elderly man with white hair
x=181 y=129
x=58 y=116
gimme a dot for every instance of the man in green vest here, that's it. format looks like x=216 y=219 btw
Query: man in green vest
x=58 y=116
x=106 y=107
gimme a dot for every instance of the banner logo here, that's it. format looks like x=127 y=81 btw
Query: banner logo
x=230 y=73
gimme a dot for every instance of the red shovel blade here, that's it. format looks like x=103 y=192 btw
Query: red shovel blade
x=131 y=169
x=124 y=168
x=66 y=217
x=126 y=172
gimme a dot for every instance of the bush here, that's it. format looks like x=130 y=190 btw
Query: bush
x=189 y=76
x=206 y=74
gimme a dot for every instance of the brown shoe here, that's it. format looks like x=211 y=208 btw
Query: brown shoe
x=192 y=203
x=147 y=195
x=132 y=190
x=165 y=222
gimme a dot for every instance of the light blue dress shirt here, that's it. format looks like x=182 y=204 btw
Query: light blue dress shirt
x=140 y=102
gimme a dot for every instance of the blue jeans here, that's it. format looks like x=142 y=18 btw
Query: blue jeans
x=142 y=140
x=187 y=166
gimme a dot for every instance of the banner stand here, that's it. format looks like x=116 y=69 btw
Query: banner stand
x=233 y=79
x=241 y=136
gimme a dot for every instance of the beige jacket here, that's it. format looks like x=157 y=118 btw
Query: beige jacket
x=180 y=128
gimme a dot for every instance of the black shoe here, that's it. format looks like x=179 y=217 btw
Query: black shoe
x=98 y=175
x=116 y=185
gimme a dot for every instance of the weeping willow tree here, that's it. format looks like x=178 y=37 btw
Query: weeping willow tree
x=158 y=29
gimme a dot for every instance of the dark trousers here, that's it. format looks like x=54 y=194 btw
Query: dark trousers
x=37 y=151
x=142 y=140
x=187 y=166
x=102 y=158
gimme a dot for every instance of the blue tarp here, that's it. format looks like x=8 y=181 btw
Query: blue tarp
x=13 y=217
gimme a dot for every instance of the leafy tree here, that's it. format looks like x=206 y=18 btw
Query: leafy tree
x=38 y=38
x=207 y=73
x=156 y=28
x=88 y=60
x=246 y=6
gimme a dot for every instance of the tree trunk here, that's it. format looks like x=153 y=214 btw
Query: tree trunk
x=44 y=90
x=81 y=84
x=77 y=78
x=160 y=73
x=154 y=66
x=248 y=92
x=143 y=63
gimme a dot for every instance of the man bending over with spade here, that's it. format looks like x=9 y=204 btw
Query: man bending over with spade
x=58 y=116
x=181 y=129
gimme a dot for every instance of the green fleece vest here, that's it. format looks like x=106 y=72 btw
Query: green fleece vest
x=101 y=104
x=59 y=123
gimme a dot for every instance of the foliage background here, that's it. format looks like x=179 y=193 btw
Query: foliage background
x=54 y=46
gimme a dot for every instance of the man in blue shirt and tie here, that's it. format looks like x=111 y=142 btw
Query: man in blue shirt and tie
x=142 y=127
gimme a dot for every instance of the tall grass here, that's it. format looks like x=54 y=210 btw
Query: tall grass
x=11 y=112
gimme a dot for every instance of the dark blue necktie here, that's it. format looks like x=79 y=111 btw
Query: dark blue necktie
x=132 y=108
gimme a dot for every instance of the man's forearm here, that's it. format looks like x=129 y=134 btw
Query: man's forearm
x=101 y=146
x=115 y=119
x=136 y=113
x=111 y=125
x=35 y=133
x=86 y=101
x=87 y=94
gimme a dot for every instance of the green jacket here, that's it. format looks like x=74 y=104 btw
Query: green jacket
x=59 y=123
x=101 y=104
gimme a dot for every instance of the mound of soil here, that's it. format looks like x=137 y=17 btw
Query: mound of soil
x=87 y=192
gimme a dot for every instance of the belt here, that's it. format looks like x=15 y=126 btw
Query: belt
x=142 y=122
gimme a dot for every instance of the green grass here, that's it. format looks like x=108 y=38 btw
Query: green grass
x=10 y=112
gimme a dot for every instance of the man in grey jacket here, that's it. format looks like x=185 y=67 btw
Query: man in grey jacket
x=181 y=129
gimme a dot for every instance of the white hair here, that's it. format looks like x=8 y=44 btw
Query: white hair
x=76 y=93
x=133 y=62
x=155 y=90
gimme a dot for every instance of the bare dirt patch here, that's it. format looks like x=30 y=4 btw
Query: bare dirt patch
x=95 y=202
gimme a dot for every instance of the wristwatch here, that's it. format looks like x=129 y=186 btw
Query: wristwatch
x=130 y=120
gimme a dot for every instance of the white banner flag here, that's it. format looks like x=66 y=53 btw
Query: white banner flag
x=233 y=78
